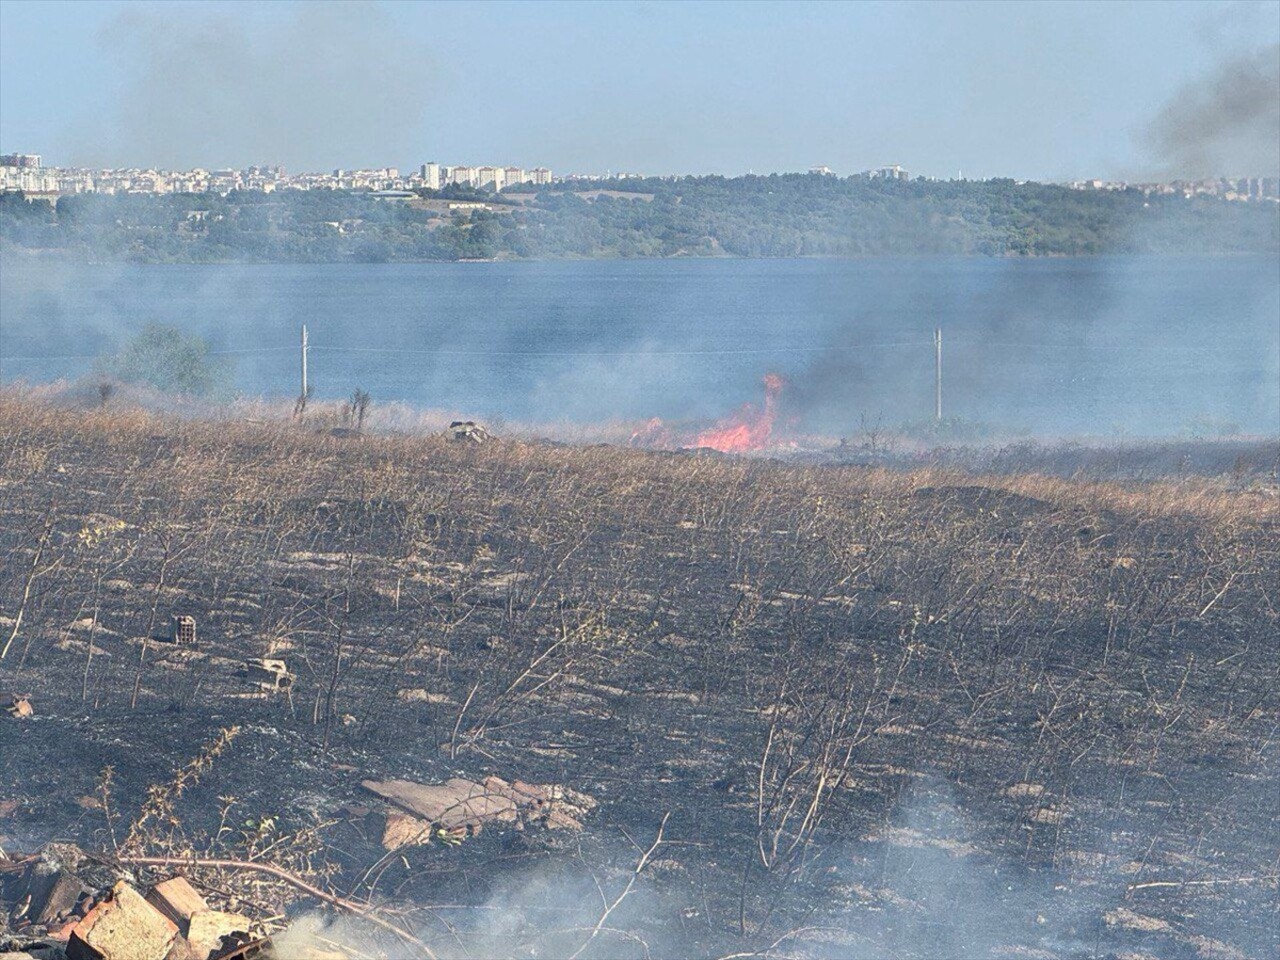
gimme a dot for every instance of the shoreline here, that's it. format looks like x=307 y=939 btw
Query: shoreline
x=49 y=255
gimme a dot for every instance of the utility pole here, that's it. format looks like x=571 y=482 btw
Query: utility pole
x=937 y=374
x=304 y=363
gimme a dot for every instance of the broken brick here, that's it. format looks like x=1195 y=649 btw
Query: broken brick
x=125 y=927
x=533 y=791
x=180 y=949
x=208 y=929
x=402 y=830
x=44 y=892
x=177 y=900
x=556 y=820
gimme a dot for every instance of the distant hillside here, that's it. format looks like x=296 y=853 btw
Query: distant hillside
x=790 y=215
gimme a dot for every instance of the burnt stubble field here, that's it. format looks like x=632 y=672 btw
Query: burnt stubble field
x=822 y=711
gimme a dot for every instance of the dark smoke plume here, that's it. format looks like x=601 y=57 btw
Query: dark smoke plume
x=1226 y=124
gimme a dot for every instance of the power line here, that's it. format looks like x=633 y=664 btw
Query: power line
x=95 y=356
x=752 y=351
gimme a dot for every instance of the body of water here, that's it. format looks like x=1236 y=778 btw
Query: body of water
x=1055 y=346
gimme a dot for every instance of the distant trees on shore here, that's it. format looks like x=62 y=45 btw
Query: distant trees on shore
x=790 y=215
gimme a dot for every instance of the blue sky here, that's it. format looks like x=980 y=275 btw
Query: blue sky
x=1038 y=90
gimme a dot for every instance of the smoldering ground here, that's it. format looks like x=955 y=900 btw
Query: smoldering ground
x=918 y=885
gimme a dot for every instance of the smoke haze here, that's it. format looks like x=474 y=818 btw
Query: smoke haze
x=332 y=83
x=1228 y=123
x=1104 y=346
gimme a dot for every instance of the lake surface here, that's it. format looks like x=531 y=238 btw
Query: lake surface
x=1100 y=345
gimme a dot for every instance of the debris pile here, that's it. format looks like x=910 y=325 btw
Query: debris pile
x=468 y=431
x=48 y=900
x=65 y=904
x=208 y=932
x=460 y=808
x=268 y=674
x=20 y=707
x=42 y=892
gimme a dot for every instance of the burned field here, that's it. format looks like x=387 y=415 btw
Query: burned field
x=738 y=708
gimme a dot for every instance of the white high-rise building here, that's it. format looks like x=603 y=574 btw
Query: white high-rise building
x=463 y=176
x=494 y=177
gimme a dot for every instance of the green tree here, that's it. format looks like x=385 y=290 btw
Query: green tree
x=165 y=358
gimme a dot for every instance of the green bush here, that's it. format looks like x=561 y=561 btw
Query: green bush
x=167 y=359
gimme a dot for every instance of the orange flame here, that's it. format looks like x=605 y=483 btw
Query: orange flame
x=749 y=429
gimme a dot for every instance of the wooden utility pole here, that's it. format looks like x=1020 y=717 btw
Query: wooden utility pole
x=937 y=373
x=304 y=363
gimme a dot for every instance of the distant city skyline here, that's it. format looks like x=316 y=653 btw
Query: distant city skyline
x=1049 y=91
x=27 y=174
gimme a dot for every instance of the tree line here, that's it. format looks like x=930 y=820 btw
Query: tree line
x=788 y=215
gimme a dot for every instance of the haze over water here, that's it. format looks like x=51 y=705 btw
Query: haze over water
x=1102 y=345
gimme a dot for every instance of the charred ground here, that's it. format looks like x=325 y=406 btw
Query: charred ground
x=887 y=713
